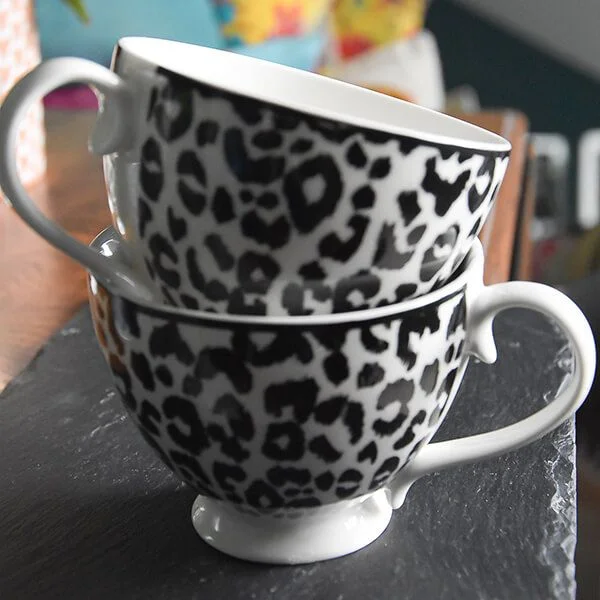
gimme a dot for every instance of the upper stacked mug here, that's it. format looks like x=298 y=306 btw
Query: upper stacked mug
x=242 y=186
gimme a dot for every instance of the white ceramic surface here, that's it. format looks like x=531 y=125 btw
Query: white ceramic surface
x=299 y=427
x=247 y=187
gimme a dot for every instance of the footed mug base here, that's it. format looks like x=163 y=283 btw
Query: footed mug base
x=304 y=536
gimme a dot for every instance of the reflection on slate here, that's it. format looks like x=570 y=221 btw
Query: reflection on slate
x=86 y=511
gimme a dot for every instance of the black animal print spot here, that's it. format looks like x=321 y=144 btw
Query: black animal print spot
x=224 y=259
x=330 y=410
x=371 y=342
x=173 y=109
x=283 y=347
x=284 y=441
x=445 y=193
x=449 y=353
x=177 y=226
x=261 y=495
x=150 y=269
x=255 y=272
x=167 y=341
x=434 y=419
x=279 y=476
x=407 y=145
x=240 y=425
x=458 y=317
x=332 y=131
x=369 y=452
x=331 y=246
x=376 y=137
x=354 y=421
x=164 y=375
x=238 y=305
x=400 y=391
x=224 y=474
x=416 y=322
x=275 y=234
x=409 y=434
x=430 y=376
x=293 y=296
x=129 y=319
x=286 y=120
x=460 y=348
x=144 y=217
x=416 y=234
x=299 y=395
x=488 y=168
x=246 y=196
x=384 y=472
x=365 y=285
x=436 y=256
x=380 y=168
x=268 y=200
x=371 y=374
x=312 y=271
x=222 y=206
x=151 y=170
x=301 y=146
x=222 y=360
x=150 y=417
x=214 y=290
x=331 y=337
x=268 y=139
x=446 y=386
x=304 y=502
x=364 y=197
x=324 y=481
x=348 y=483
x=322 y=448
x=262 y=171
x=141 y=368
x=313 y=190
x=206 y=133
x=192 y=436
x=192 y=182
x=386 y=254
x=475 y=230
x=356 y=156
x=163 y=251
x=336 y=368
x=408 y=203
x=404 y=291
x=153 y=97
x=167 y=295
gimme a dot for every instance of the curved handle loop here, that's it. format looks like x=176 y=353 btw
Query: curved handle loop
x=490 y=301
x=113 y=132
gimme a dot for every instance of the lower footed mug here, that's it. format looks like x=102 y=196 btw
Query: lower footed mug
x=302 y=434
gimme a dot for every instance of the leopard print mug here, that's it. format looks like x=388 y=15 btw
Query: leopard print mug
x=246 y=187
x=301 y=434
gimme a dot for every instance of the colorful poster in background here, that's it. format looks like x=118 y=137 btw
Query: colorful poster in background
x=362 y=25
x=246 y=22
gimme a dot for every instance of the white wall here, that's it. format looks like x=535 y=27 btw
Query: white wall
x=568 y=29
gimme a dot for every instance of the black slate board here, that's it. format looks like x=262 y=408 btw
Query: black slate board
x=86 y=511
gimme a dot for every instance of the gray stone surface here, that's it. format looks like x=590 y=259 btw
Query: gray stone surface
x=86 y=511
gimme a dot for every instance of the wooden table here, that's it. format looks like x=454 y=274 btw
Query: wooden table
x=41 y=288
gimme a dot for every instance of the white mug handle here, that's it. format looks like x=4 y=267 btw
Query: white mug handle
x=480 y=343
x=113 y=131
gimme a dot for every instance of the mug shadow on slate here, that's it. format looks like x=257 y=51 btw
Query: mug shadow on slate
x=87 y=511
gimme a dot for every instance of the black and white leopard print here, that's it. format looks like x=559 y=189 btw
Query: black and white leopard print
x=280 y=417
x=252 y=208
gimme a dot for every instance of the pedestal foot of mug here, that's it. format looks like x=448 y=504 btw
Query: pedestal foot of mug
x=308 y=535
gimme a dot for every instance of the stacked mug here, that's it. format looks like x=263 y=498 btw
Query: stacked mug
x=291 y=289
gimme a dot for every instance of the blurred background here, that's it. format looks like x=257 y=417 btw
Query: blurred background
x=527 y=68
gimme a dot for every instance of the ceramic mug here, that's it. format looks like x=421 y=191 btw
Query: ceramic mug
x=302 y=434
x=243 y=186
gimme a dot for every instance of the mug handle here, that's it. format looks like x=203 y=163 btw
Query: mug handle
x=480 y=343
x=114 y=131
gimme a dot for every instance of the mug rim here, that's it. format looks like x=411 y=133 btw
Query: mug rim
x=139 y=47
x=471 y=267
